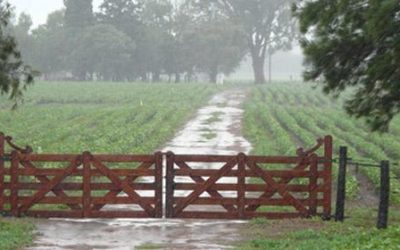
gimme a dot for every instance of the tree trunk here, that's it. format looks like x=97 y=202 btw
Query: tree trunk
x=213 y=76
x=258 y=68
x=156 y=77
x=177 y=78
x=270 y=67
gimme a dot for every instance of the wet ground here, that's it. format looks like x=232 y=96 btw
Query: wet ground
x=216 y=129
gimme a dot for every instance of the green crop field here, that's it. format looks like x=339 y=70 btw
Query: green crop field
x=280 y=116
x=67 y=117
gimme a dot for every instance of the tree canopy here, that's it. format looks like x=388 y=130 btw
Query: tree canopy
x=355 y=44
x=127 y=40
x=268 y=25
x=14 y=75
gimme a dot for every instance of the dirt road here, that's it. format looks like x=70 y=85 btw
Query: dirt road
x=216 y=129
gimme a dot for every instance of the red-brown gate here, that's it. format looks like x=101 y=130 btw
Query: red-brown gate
x=197 y=186
x=81 y=186
x=250 y=190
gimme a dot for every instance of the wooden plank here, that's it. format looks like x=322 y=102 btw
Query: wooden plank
x=313 y=185
x=328 y=176
x=48 y=200
x=119 y=214
x=14 y=184
x=255 y=158
x=210 y=181
x=103 y=158
x=204 y=158
x=169 y=185
x=129 y=179
x=279 y=188
x=248 y=187
x=79 y=186
x=125 y=158
x=123 y=185
x=122 y=200
x=241 y=184
x=50 y=185
x=209 y=201
x=78 y=172
x=2 y=154
x=200 y=181
x=248 y=173
x=208 y=215
x=48 y=157
x=280 y=202
x=86 y=192
x=159 y=185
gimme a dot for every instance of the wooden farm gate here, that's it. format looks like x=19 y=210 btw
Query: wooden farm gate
x=197 y=186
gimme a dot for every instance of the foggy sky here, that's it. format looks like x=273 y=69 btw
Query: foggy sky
x=39 y=9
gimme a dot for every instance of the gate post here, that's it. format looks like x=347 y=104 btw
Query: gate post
x=384 y=196
x=2 y=151
x=327 y=177
x=14 y=183
x=341 y=185
x=86 y=195
x=169 y=192
x=241 y=159
x=313 y=185
x=158 y=195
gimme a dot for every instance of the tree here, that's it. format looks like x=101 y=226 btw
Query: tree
x=21 y=32
x=14 y=75
x=104 y=51
x=355 y=44
x=122 y=14
x=268 y=24
x=217 y=46
x=50 y=50
x=157 y=23
x=78 y=13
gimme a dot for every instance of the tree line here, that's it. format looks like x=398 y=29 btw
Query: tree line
x=128 y=40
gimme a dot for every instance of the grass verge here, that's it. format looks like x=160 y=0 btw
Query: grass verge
x=357 y=232
x=15 y=233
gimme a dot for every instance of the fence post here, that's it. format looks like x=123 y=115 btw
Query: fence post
x=169 y=186
x=14 y=183
x=327 y=177
x=341 y=185
x=2 y=151
x=384 y=196
x=313 y=185
x=159 y=184
x=241 y=159
x=86 y=195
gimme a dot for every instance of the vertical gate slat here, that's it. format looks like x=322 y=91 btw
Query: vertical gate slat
x=86 y=196
x=327 y=177
x=313 y=185
x=2 y=145
x=241 y=184
x=14 y=184
x=159 y=184
x=169 y=192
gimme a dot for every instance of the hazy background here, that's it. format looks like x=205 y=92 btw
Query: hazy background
x=287 y=65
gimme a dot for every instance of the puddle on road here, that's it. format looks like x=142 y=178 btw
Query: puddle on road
x=222 y=117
